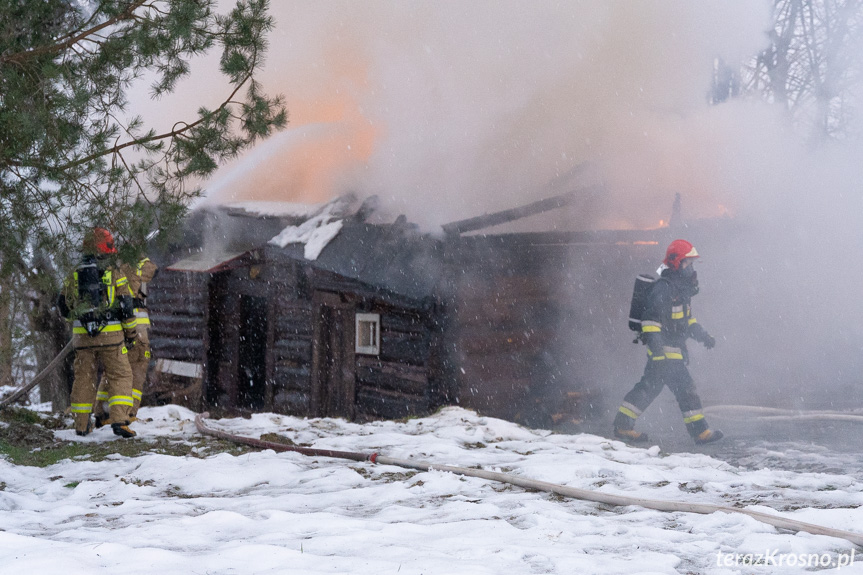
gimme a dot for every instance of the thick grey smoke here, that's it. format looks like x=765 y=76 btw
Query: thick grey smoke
x=450 y=109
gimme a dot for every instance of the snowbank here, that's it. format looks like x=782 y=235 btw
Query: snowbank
x=266 y=512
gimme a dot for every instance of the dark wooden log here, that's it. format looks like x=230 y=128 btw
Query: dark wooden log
x=503 y=366
x=292 y=320
x=352 y=290
x=377 y=403
x=509 y=313
x=181 y=349
x=406 y=348
x=291 y=402
x=584 y=241
x=502 y=217
x=295 y=349
x=480 y=340
x=397 y=319
x=170 y=326
x=413 y=373
x=292 y=377
x=392 y=377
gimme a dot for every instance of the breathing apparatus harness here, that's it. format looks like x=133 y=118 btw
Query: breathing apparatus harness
x=95 y=295
x=686 y=285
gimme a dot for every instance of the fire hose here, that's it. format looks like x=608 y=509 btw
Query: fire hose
x=750 y=412
x=562 y=490
x=39 y=378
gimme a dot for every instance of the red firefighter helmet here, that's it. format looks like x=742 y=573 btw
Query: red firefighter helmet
x=678 y=251
x=100 y=242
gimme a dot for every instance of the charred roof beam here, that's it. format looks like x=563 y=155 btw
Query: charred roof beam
x=497 y=218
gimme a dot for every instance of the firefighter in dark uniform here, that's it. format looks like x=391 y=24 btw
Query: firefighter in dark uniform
x=139 y=355
x=98 y=302
x=666 y=324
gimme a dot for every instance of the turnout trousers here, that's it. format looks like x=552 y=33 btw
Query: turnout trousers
x=139 y=361
x=658 y=373
x=116 y=365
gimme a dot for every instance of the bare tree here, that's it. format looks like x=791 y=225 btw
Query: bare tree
x=812 y=67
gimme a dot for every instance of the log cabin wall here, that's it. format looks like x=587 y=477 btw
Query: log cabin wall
x=538 y=321
x=406 y=378
x=281 y=338
x=177 y=305
x=536 y=331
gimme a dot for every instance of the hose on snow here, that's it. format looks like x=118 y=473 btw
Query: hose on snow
x=38 y=379
x=750 y=412
x=562 y=490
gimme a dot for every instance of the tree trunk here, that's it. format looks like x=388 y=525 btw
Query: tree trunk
x=57 y=387
x=6 y=352
x=52 y=334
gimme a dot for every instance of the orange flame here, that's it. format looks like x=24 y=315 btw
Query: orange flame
x=327 y=141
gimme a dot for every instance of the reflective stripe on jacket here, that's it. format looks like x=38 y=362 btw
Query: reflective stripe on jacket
x=667 y=321
x=109 y=314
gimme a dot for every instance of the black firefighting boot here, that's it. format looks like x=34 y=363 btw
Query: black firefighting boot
x=122 y=429
x=700 y=432
x=708 y=436
x=86 y=430
x=101 y=420
x=624 y=428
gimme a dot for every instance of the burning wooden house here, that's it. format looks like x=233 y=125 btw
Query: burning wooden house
x=323 y=313
x=333 y=316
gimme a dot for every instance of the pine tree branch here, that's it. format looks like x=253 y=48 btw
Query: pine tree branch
x=174 y=133
x=21 y=57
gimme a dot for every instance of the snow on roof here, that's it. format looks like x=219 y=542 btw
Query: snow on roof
x=315 y=233
x=277 y=209
x=208 y=261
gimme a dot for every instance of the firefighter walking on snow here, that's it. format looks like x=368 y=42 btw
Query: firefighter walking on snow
x=139 y=354
x=97 y=299
x=666 y=323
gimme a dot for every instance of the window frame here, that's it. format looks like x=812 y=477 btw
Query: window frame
x=367 y=319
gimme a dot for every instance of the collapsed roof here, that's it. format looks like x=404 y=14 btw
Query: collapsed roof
x=333 y=237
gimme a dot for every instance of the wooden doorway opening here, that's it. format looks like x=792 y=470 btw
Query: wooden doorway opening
x=333 y=385
x=252 y=364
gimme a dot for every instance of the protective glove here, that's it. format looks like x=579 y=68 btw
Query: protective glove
x=654 y=343
x=131 y=338
x=700 y=335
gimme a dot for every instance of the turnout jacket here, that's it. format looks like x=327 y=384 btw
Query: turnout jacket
x=668 y=321
x=139 y=276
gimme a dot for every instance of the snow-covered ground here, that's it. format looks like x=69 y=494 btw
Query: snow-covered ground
x=267 y=512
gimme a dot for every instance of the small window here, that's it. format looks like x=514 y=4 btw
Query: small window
x=368 y=333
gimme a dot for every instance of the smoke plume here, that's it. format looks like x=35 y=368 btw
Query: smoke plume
x=450 y=109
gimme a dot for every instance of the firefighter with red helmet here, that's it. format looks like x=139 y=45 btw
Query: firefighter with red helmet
x=139 y=355
x=98 y=302
x=666 y=324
